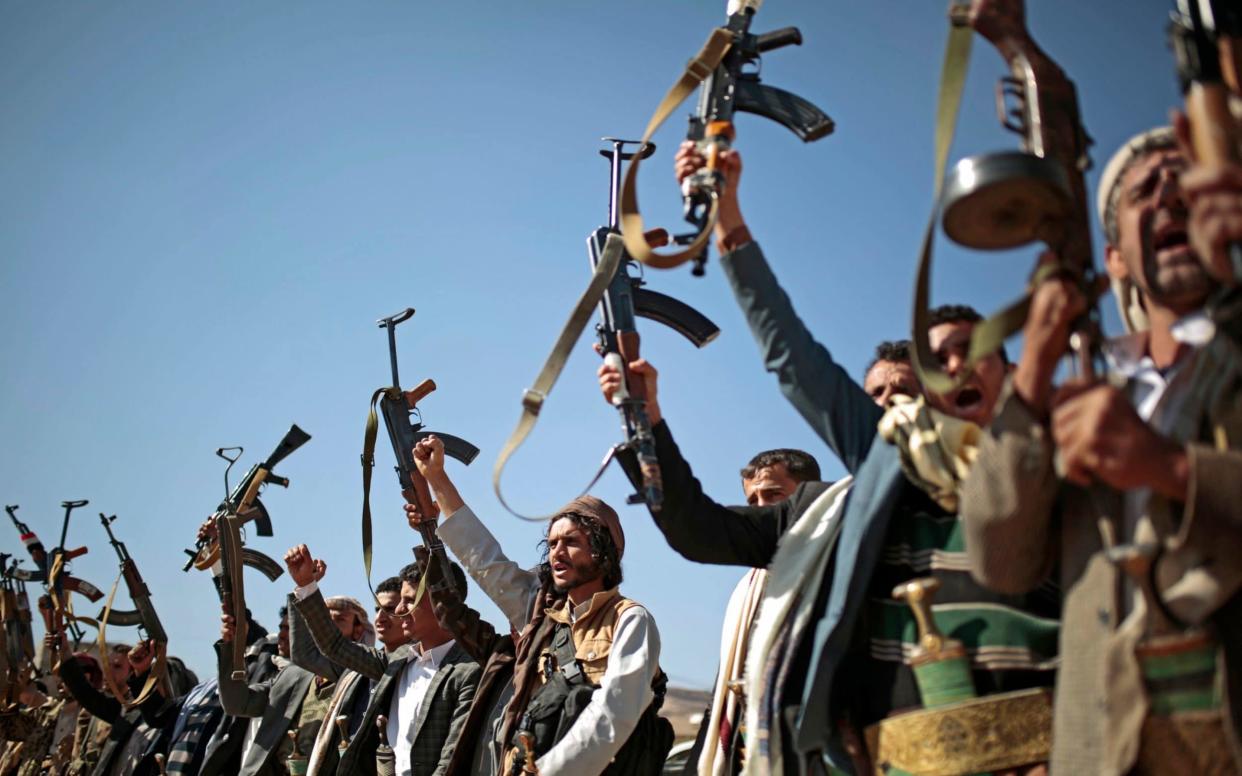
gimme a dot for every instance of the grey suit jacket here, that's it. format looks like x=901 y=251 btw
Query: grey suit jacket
x=277 y=702
x=438 y=726
x=368 y=661
x=302 y=648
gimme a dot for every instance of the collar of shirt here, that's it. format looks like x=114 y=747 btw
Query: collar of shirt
x=434 y=656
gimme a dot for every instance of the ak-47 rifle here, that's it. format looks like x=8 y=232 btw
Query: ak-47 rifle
x=19 y=649
x=54 y=605
x=239 y=507
x=1009 y=199
x=143 y=615
x=397 y=407
x=33 y=546
x=621 y=299
x=1206 y=36
x=623 y=302
x=728 y=68
x=207 y=548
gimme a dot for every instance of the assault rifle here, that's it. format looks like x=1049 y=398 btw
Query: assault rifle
x=728 y=67
x=143 y=615
x=397 y=406
x=1206 y=36
x=623 y=301
x=241 y=506
x=19 y=651
x=33 y=546
x=207 y=549
x=1013 y=198
x=54 y=604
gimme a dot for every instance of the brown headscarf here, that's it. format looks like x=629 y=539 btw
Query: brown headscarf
x=589 y=506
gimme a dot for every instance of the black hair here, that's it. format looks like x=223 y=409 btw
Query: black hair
x=893 y=351
x=801 y=465
x=390 y=585
x=599 y=539
x=412 y=573
x=284 y=613
x=960 y=313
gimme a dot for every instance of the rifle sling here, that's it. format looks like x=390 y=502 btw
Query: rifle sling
x=989 y=334
x=368 y=464
x=697 y=70
x=157 y=676
x=534 y=397
x=230 y=553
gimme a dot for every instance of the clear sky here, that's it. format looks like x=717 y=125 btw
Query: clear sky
x=205 y=207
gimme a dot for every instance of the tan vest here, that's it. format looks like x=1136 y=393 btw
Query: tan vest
x=592 y=630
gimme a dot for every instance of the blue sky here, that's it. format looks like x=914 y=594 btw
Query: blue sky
x=205 y=207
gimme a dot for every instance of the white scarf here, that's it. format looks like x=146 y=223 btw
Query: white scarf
x=735 y=634
x=795 y=573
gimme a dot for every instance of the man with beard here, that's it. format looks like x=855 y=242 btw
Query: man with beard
x=583 y=647
x=1136 y=489
x=859 y=701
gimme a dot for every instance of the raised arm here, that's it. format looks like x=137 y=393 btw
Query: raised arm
x=98 y=704
x=308 y=604
x=329 y=639
x=705 y=531
x=472 y=633
x=511 y=587
x=302 y=648
x=835 y=406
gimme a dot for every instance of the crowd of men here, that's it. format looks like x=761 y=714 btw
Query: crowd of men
x=1027 y=573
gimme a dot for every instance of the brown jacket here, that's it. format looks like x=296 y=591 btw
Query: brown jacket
x=1022 y=524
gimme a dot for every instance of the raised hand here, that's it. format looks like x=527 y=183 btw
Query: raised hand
x=611 y=379
x=303 y=567
x=429 y=457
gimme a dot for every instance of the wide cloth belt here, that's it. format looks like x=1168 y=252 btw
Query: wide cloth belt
x=980 y=735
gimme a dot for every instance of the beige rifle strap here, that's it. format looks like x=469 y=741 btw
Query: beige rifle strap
x=368 y=465
x=697 y=71
x=157 y=676
x=534 y=397
x=989 y=334
x=229 y=532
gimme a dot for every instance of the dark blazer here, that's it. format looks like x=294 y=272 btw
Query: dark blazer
x=438 y=725
x=222 y=754
x=277 y=701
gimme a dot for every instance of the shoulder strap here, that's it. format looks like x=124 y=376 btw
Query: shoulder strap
x=567 y=655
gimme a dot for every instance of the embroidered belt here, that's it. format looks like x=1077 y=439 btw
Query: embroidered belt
x=985 y=734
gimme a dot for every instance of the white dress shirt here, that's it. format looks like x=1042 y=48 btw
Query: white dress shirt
x=407 y=701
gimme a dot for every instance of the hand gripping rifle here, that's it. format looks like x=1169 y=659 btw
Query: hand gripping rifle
x=1009 y=199
x=240 y=507
x=397 y=406
x=621 y=299
x=143 y=615
x=728 y=69
x=55 y=605
x=1206 y=36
